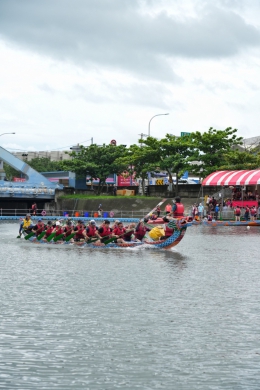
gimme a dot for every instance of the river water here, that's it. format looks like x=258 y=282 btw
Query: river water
x=188 y=318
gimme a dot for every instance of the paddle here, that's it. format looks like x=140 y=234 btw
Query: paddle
x=150 y=212
x=115 y=238
x=70 y=236
x=50 y=237
x=58 y=237
x=41 y=235
x=31 y=234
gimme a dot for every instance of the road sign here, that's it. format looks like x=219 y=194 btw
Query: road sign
x=183 y=133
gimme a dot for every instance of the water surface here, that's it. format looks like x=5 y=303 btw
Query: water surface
x=188 y=318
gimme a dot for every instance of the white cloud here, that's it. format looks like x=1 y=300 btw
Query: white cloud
x=102 y=69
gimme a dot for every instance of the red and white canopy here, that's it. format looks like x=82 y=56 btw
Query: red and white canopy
x=233 y=178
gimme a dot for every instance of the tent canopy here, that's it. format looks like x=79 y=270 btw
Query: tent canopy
x=233 y=178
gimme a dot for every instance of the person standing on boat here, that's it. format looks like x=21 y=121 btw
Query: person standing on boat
x=253 y=213
x=168 y=209
x=177 y=208
x=237 y=212
x=216 y=211
x=26 y=225
x=158 y=211
x=246 y=215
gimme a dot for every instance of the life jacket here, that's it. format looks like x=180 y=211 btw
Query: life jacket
x=26 y=223
x=179 y=212
x=140 y=232
x=68 y=230
x=168 y=208
x=156 y=233
x=59 y=231
x=247 y=210
x=238 y=211
x=128 y=235
x=39 y=229
x=48 y=232
x=253 y=212
x=106 y=231
x=119 y=232
x=91 y=231
x=79 y=233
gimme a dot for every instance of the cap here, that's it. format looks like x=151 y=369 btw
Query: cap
x=49 y=223
x=92 y=221
x=40 y=220
x=28 y=215
x=106 y=221
x=57 y=223
x=80 y=221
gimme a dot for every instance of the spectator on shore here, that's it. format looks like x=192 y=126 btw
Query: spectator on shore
x=34 y=208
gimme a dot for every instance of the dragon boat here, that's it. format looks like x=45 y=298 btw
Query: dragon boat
x=190 y=220
x=179 y=229
x=226 y=223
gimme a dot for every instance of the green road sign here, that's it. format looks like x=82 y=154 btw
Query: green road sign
x=183 y=133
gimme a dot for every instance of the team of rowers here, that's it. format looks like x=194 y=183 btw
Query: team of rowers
x=80 y=233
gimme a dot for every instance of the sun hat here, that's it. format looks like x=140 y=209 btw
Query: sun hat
x=57 y=223
x=28 y=215
x=92 y=221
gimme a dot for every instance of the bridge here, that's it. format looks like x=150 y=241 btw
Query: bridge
x=34 y=186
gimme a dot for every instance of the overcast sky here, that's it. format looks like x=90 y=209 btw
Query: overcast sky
x=75 y=70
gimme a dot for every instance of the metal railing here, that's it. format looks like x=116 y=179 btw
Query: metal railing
x=75 y=213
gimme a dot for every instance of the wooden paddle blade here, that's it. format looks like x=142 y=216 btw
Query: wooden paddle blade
x=110 y=240
x=29 y=236
x=51 y=236
x=41 y=235
x=69 y=237
x=58 y=237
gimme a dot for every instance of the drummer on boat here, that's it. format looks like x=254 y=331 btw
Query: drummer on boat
x=26 y=225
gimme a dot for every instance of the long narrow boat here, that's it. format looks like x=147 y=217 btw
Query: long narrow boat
x=179 y=229
x=210 y=223
x=227 y=223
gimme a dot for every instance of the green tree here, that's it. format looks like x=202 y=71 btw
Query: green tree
x=171 y=154
x=210 y=148
x=236 y=160
x=97 y=162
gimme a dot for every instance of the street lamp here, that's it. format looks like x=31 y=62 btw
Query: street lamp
x=151 y=120
x=6 y=133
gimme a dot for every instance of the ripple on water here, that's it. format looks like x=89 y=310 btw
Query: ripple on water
x=140 y=318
